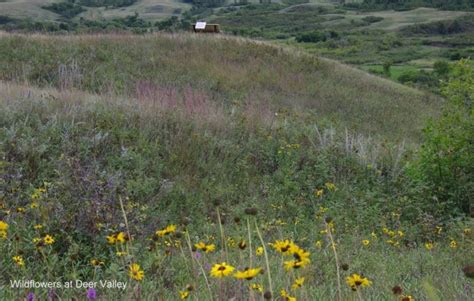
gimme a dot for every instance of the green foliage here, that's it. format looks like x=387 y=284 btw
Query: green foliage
x=446 y=161
x=311 y=37
x=410 y=4
x=106 y=3
x=67 y=10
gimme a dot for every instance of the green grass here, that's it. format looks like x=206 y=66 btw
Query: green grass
x=103 y=134
x=223 y=70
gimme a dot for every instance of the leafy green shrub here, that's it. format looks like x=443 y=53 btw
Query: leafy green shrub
x=446 y=162
x=311 y=37
x=372 y=19
x=65 y=9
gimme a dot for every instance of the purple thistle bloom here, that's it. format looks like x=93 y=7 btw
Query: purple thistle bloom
x=91 y=294
x=197 y=255
x=30 y=297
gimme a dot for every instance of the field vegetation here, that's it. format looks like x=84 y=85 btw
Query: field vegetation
x=211 y=168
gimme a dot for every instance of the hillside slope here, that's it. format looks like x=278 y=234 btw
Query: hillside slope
x=228 y=71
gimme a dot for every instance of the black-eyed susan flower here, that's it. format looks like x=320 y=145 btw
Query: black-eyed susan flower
x=366 y=242
x=3 y=234
x=111 y=239
x=257 y=287
x=298 y=283
x=220 y=270
x=135 y=272
x=166 y=231
x=453 y=244
x=355 y=281
x=96 y=262
x=38 y=227
x=48 y=239
x=34 y=205
x=467 y=231
x=319 y=193
x=259 y=251
x=285 y=296
x=204 y=247
x=282 y=246
x=330 y=186
x=20 y=210
x=18 y=260
x=429 y=246
x=247 y=274
x=407 y=298
x=373 y=235
x=183 y=295
x=121 y=237
x=3 y=226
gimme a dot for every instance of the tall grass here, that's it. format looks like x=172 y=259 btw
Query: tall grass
x=224 y=70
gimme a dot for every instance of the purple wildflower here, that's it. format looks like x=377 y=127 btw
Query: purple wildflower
x=30 y=297
x=91 y=294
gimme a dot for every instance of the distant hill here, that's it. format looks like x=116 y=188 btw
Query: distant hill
x=229 y=71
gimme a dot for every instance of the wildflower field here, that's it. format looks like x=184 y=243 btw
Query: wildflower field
x=121 y=185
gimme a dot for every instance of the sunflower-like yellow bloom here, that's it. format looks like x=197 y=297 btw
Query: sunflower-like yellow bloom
x=429 y=246
x=120 y=237
x=282 y=246
x=166 y=231
x=286 y=296
x=3 y=234
x=259 y=251
x=48 y=239
x=366 y=242
x=205 y=248
x=3 y=226
x=407 y=298
x=355 y=280
x=257 y=287
x=183 y=295
x=111 y=239
x=19 y=261
x=453 y=244
x=247 y=274
x=298 y=283
x=135 y=272
x=220 y=270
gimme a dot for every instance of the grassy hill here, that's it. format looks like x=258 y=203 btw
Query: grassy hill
x=153 y=159
x=228 y=71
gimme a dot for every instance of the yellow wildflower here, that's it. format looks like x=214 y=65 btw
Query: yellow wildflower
x=366 y=242
x=286 y=296
x=183 y=295
x=429 y=246
x=19 y=261
x=48 y=239
x=38 y=227
x=34 y=205
x=221 y=270
x=330 y=186
x=111 y=239
x=282 y=246
x=205 y=248
x=166 y=231
x=259 y=251
x=319 y=193
x=257 y=287
x=3 y=226
x=3 y=234
x=298 y=283
x=355 y=280
x=135 y=272
x=120 y=253
x=247 y=274
x=453 y=244
x=319 y=244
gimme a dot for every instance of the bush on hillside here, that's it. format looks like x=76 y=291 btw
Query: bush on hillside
x=446 y=162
